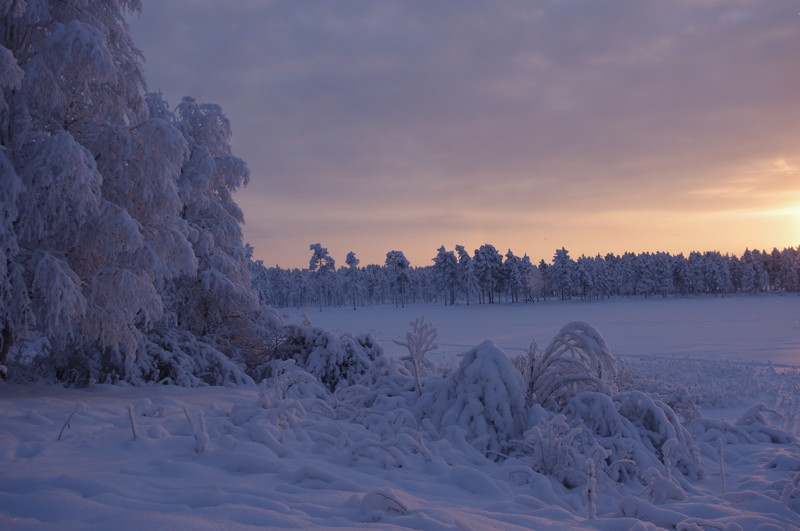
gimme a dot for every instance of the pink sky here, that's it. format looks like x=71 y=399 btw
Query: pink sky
x=608 y=126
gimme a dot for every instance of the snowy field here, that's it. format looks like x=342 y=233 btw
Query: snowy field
x=753 y=329
x=236 y=458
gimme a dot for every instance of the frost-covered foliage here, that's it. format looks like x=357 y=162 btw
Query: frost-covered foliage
x=116 y=216
x=334 y=361
x=484 y=398
x=578 y=359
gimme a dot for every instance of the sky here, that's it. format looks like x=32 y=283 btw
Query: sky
x=613 y=126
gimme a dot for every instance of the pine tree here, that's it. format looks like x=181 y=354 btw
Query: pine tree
x=398 y=273
x=488 y=263
x=323 y=267
x=445 y=270
x=513 y=275
x=466 y=273
x=352 y=277
x=561 y=274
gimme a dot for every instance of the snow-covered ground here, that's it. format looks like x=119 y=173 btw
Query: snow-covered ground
x=228 y=458
x=734 y=328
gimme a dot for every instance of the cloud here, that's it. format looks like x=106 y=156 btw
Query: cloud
x=355 y=108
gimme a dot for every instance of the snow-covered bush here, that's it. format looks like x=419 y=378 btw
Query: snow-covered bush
x=684 y=403
x=181 y=358
x=485 y=397
x=554 y=447
x=333 y=360
x=615 y=436
x=578 y=359
x=419 y=341
x=661 y=432
x=755 y=422
x=283 y=380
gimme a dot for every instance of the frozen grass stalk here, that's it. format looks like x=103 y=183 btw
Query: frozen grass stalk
x=132 y=418
x=721 y=454
x=78 y=407
x=591 y=489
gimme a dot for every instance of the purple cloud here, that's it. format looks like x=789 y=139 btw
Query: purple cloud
x=447 y=120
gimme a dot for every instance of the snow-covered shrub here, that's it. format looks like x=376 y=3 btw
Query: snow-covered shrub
x=659 y=489
x=525 y=364
x=554 y=448
x=684 y=403
x=180 y=358
x=659 y=426
x=283 y=379
x=485 y=397
x=333 y=360
x=619 y=436
x=383 y=400
x=755 y=422
x=25 y=360
x=419 y=341
x=578 y=359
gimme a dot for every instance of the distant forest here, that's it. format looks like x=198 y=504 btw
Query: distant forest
x=486 y=276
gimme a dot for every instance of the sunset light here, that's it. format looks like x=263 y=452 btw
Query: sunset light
x=527 y=127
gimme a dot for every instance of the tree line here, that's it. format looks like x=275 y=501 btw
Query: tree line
x=486 y=276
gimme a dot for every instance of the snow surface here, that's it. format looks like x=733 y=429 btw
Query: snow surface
x=234 y=458
x=733 y=328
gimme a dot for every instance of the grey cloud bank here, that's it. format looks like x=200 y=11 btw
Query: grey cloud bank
x=377 y=125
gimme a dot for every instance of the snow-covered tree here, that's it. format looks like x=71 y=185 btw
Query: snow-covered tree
x=488 y=262
x=788 y=270
x=352 y=277
x=119 y=234
x=75 y=133
x=466 y=273
x=398 y=271
x=323 y=267
x=512 y=275
x=561 y=274
x=445 y=270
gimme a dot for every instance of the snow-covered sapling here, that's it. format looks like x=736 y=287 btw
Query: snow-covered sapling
x=419 y=341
